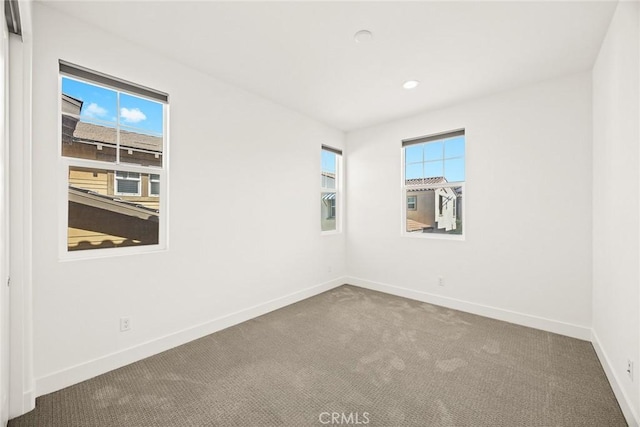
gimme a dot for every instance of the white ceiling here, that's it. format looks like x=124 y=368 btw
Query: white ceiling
x=303 y=54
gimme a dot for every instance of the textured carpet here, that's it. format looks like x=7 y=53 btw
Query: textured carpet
x=350 y=356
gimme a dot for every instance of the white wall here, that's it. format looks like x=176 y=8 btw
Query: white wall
x=527 y=253
x=230 y=150
x=616 y=297
x=22 y=387
x=4 y=215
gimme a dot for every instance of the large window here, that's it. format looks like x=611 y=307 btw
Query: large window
x=113 y=144
x=330 y=189
x=433 y=184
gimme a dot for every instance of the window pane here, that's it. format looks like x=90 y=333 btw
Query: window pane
x=94 y=103
x=154 y=185
x=454 y=170
x=140 y=147
x=98 y=218
x=88 y=121
x=433 y=169
x=454 y=147
x=414 y=171
x=127 y=175
x=438 y=210
x=142 y=114
x=154 y=189
x=413 y=153
x=327 y=211
x=127 y=186
x=141 y=127
x=433 y=151
x=328 y=166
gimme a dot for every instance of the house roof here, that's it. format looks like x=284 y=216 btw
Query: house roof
x=413 y=225
x=106 y=135
x=426 y=181
x=75 y=101
x=113 y=204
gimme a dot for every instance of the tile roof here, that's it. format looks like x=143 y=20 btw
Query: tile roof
x=426 y=181
x=101 y=134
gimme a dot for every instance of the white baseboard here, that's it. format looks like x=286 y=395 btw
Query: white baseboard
x=29 y=400
x=27 y=404
x=549 y=325
x=625 y=402
x=84 y=371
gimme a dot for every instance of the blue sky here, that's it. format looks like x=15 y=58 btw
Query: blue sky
x=100 y=106
x=433 y=159
x=328 y=161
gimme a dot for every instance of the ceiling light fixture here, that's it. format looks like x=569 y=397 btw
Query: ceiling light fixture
x=363 y=36
x=410 y=84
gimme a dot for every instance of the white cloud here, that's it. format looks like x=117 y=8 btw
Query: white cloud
x=94 y=110
x=133 y=115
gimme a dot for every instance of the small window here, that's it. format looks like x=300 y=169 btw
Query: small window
x=330 y=188
x=332 y=209
x=434 y=177
x=412 y=202
x=113 y=140
x=127 y=183
x=154 y=185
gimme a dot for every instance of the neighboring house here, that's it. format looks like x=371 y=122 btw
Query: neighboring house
x=109 y=208
x=432 y=208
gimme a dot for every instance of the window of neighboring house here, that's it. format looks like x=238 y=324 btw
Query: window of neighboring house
x=433 y=183
x=412 y=203
x=332 y=209
x=127 y=183
x=330 y=188
x=154 y=185
x=113 y=143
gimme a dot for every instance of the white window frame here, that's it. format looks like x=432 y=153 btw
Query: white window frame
x=337 y=190
x=150 y=193
x=404 y=188
x=120 y=193
x=65 y=163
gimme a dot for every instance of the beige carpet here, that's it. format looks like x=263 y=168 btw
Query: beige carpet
x=350 y=356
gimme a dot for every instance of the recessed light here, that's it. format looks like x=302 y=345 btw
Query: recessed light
x=410 y=84
x=363 y=36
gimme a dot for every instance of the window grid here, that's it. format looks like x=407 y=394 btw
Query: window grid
x=433 y=185
x=116 y=214
x=330 y=190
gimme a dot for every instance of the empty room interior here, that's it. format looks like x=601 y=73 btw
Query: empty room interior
x=320 y=213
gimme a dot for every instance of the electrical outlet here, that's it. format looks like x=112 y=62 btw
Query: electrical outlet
x=125 y=324
x=630 y=369
x=440 y=281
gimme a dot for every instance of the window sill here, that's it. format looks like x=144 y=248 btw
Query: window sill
x=90 y=254
x=436 y=236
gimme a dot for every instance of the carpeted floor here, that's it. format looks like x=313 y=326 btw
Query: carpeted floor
x=350 y=356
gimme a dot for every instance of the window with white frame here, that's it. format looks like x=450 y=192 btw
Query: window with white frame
x=433 y=184
x=412 y=203
x=127 y=183
x=330 y=188
x=154 y=185
x=113 y=144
